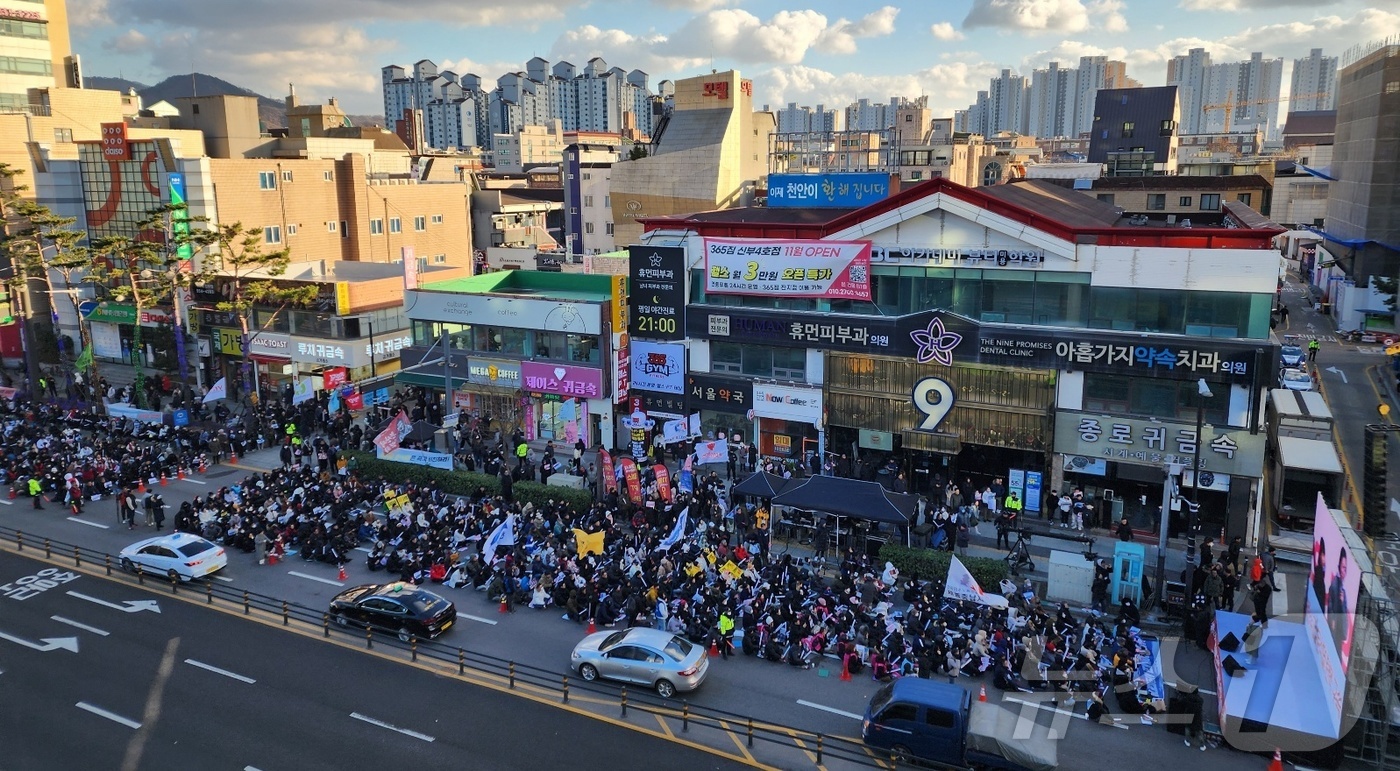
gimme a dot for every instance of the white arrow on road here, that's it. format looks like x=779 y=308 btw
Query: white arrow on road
x=130 y=606
x=46 y=644
x=1333 y=370
x=1395 y=506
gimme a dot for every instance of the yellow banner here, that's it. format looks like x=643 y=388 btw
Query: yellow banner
x=588 y=543
x=619 y=304
x=228 y=342
x=342 y=298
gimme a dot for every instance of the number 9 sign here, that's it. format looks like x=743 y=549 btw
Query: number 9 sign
x=934 y=398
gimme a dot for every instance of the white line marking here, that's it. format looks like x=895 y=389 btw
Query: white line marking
x=89 y=524
x=250 y=768
x=314 y=578
x=112 y=716
x=832 y=710
x=193 y=481
x=7 y=501
x=1278 y=601
x=364 y=549
x=225 y=579
x=217 y=671
x=1056 y=710
x=382 y=724
x=492 y=622
x=84 y=627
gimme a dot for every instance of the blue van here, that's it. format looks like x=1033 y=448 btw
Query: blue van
x=939 y=723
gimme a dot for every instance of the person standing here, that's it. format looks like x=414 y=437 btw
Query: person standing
x=1269 y=561
x=36 y=491
x=1313 y=347
x=158 y=510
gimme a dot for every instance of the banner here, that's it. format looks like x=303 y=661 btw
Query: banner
x=440 y=460
x=84 y=359
x=333 y=377
x=686 y=482
x=609 y=474
x=677 y=532
x=716 y=451
x=124 y=410
x=663 y=482
x=962 y=586
x=503 y=535
x=355 y=401
x=333 y=404
x=303 y=390
x=634 y=480
x=775 y=267
x=673 y=431
x=217 y=391
x=588 y=543
x=388 y=439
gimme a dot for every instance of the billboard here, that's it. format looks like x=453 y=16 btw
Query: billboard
x=656 y=292
x=658 y=367
x=836 y=270
x=1334 y=582
x=837 y=190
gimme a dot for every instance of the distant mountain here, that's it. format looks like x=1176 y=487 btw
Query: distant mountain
x=112 y=84
x=272 y=112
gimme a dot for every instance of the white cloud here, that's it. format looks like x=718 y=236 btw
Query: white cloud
x=840 y=38
x=129 y=42
x=1028 y=15
x=255 y=14
x=694 y=6
x=88 y=13
x=945 y=31
x=950 y=85
x=1109 y=15
x=1067 y=53
x=1245 y=5
x=739 y=35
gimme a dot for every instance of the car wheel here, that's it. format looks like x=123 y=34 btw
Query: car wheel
x=901 y=753
x=664 y=689
x=128 y=565
x=173 y=575
x=340 y=620
x=588 y=672
x=405 y=635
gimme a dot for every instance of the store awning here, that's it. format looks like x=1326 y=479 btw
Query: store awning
x=425 y=379
x=275 y=360
x=1309 y=455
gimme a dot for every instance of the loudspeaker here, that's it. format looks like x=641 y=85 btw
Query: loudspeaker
x=1231 y=643
x=1232 y=667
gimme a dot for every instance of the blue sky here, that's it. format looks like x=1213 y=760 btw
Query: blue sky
x=808 y=51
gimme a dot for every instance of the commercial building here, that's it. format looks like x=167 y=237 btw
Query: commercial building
x=1187 y=201
x=34 y=51
x=1135 y=131
x=1020 y=331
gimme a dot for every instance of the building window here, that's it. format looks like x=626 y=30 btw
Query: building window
x=29 y=29
x=420 y=223
x=196 y=108
x=1106 y=198
x=291 y=230
x=588 y=228
x=344 y=231
x=587 y=175
x=1245 y=198
x=1168 y=127
x=62 y=135
x=395 y=225
x=437 y=219
x=1392 y=86
x=330 y=226
x=328 y=176
x=286 y=175
x=759 y=360
x=609 y=227
x=588 y=201
x=376 y=227
x=916 y=175
x=272 y=234
x=1156 y=201
x=1210 y=201
x=607 y=201
x=1128 y=129
x=439 y=259
x=1184 y=201
x=267 y=180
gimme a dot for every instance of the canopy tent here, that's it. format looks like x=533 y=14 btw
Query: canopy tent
x=849 y=498
x=762 y=485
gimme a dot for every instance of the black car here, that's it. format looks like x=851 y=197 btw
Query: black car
x=400 y=608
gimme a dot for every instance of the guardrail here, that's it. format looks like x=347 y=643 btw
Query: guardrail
x=820 y=749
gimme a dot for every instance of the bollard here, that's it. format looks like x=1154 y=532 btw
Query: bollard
x=326 y=624
x=413 y=647
x=820 y=739
x=174 y=584
x=285 y=618
x=624 y=701
x=566 y=689
x=246 y=608
x=369 y=637
x=19 y=540
x=685 y=715
x=208 y=592
x=140 y=575
x=512 y=674
x=461 y=662
x=107 y=558
x=77 y=558
x=48 y=549
x=750 y=733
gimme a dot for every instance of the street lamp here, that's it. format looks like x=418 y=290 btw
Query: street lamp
x=1193 y=506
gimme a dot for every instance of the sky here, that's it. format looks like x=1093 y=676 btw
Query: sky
x=805 y=51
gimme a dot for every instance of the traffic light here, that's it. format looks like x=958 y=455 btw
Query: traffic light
x=1373 y=484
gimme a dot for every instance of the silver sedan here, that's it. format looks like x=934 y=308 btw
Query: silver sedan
x=651 y=657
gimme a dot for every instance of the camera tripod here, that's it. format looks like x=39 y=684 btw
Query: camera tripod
x=1020 y=555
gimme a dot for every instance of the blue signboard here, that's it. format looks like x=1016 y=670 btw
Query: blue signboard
x=1033 y=483
x=181 y=417
x=848 y=190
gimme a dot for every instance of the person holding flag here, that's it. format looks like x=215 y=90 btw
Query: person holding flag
x=677 y=532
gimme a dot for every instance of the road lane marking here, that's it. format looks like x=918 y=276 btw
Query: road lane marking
x=217 y=671
x=364 y=549
x=314 y=578
x=89 y=524
x=46 y=644
x=1056 y=710
x=193 y=481
x=112 y=716
x=7 y=501
x=490 y=621
x=225 y=579
x=84 y=627
x=832 y=710
x=129 y=606
x=382 y=724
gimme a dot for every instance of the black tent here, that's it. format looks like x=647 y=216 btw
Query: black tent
x=848 y=498
x=763 y=485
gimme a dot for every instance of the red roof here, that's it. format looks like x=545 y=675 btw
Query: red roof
x=1053 y=214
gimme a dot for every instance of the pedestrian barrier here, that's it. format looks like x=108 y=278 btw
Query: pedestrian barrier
x=488 y=670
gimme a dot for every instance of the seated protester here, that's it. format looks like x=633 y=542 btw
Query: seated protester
x=1098 y=713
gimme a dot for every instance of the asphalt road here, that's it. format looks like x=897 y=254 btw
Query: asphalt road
x=188 y=687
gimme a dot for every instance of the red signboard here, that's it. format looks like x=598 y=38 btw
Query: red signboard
x=609 y=473
x=335 y=377
x=633 y=476
x=719 y=89
x=114 y=145
x=11 y=13
x=663 y=482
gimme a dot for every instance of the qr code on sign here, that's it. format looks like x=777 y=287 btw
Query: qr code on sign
x=860 y=274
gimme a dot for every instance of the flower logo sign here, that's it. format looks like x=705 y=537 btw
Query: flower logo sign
x=936 y=344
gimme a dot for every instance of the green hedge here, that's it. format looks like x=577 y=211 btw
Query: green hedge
x=466 y=482
x=930 y=563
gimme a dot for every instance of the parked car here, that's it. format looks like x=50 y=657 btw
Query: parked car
x=400 y=608
x=179 y=556
x=651 y=657
x=1297 y=379
x=1291 y=354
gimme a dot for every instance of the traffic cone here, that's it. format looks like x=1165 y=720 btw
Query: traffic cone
x=179 y=473
x=163 y=481
x=714 y=648
x=1277 y=763
x=342 y=576
x=982 y=695
x=592 y=627
x=13 y=494
x=233 y=458
x=503 y=608
x=203 y=465
x=846 y=668
x=140 y=486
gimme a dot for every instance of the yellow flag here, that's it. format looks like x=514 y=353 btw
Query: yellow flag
x=732 y=570
x=588 y=543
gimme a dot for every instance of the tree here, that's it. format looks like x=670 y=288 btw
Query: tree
x=20 y=247
x=247 y=275
x=637 y=152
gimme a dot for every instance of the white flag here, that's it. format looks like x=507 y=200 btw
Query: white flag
x=962 y=586
x=503 y=535
x=217 y=391
x=677 y=532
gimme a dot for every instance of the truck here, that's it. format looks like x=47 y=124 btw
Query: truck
x=939 y=724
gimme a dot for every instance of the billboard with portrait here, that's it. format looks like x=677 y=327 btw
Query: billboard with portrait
x=1334 y=582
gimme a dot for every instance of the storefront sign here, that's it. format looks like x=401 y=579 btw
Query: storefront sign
x=803 y=405
x=843 y=190
x=562 y=379
x=114 y=144
x=270 y=344
x=1080 y=464
x=660 y=405
x=658 y=367
x=121 y=313
x=331 y=353
x=962 y=257
x=517 y=312
x=770 y=267
x=875 y=440
x=106 y=340
x=1143 y=442
x=227 y=342
x=622 y=368
x=494 y=372
x=865 y=334
x=218 y=318
x=712 y=392
x=656 y=292
x=14 y=13
x=390 y=348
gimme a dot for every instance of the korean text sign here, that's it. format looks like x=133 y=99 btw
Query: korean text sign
x=1225 y=449
x=774 y=267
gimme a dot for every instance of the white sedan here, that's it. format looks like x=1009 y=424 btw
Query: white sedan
x=177 y=556
x=1297 y=379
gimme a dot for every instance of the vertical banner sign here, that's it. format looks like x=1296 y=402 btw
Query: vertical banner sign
x=634 y=480
x=114 y=143
x=1033 y=485
x=342 y=298
x=656 y=292
x=410 y=268
x=609 y=473
x=1016 y=483
x=663 y=482
x=180 y=220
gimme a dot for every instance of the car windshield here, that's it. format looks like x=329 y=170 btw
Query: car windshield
x=421 y=602
x=194 y=547
x=881 y=698
x=678 y=648
x=1296 y=377
x=1292 y=350
x=612 y=639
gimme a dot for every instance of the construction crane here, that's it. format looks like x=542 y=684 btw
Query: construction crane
x=1231 y=103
